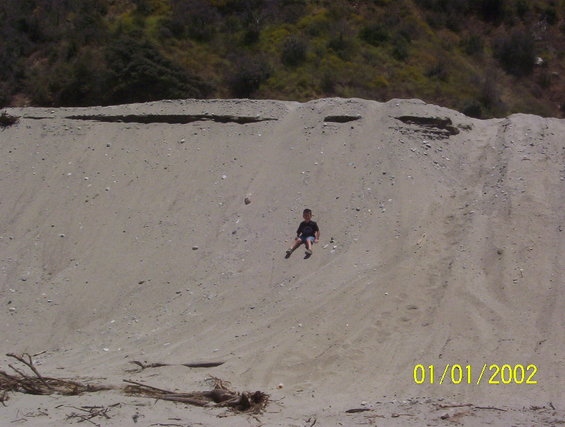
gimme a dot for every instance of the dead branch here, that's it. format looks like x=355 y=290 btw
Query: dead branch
x=219 y=396
x=143 y=386
x=148 y=365
x=38 y=384
x=452 y=405
x=4 y=397
x=312 y=421
x=167 y=425
x=28 y=362
x=489 y=407
x=145 y=365
x=355 y=410
x=21 y=374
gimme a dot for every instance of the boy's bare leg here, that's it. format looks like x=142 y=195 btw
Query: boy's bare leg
x=297 y=243
x=308 y=246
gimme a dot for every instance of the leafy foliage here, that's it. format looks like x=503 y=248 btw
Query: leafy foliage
x=294 y=51
x=139 y=72
x=516 y=53
x=63 y=52
x=248 y=76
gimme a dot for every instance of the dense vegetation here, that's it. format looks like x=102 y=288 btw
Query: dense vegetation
x=483 y=57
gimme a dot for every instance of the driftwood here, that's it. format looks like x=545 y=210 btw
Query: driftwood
x=219 y=396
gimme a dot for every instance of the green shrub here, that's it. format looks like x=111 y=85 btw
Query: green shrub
x=196 y=19
x=544 y=79
x=294 y=51
x=493 y=11
x=139 y=73
x=438 y=70
x=248 y=76
x=328 y=83
x=342 y=45
x=374 y=34
x=473 y=44
x=516 y=53
x=400 y=49
x=473 y=108
x=251 y=35
x=550 y=15
x=317 y=24
x=522 y=8
x=7 y=120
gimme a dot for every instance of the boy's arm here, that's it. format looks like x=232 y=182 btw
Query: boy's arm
x=317 y=236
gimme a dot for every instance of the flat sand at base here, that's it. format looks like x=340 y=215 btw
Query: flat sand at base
x=125 y=235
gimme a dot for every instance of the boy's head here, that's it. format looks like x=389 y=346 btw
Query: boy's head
x=307 y=214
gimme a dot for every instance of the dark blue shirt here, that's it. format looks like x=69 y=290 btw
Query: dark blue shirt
x=306 y=229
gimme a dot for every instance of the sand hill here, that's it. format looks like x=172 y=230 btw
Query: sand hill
x=124 y=235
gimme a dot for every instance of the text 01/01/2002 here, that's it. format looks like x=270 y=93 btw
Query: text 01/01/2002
x=493 y=374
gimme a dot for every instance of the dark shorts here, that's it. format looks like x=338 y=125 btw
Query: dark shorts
x=311 y=238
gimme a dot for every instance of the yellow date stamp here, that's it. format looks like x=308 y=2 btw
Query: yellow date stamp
x=467 y=374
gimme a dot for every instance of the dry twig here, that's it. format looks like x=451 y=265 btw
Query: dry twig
x=91 y=412
x=490 y=407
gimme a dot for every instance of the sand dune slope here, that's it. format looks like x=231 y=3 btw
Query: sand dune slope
x=124 y=235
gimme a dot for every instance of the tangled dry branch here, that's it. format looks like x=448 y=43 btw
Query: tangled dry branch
x=219 y=396
x=38 y=384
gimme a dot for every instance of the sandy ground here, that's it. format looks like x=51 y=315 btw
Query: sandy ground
x=124 y=236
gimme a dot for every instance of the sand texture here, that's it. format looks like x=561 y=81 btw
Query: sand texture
x=157 y=233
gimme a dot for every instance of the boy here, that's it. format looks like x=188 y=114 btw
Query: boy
x=307 y=233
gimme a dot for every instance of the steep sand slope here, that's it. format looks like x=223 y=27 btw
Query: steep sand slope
x=441 y=244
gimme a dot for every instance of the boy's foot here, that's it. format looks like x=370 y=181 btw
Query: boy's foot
x=288 y=253
x=308 y=251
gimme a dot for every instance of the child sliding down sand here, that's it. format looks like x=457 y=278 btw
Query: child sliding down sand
x=307 y=233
